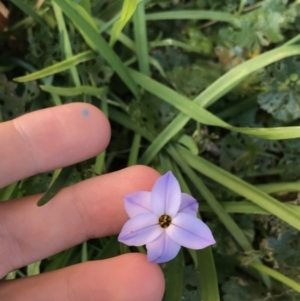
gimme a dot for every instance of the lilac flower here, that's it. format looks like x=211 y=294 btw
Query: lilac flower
x=163 y=220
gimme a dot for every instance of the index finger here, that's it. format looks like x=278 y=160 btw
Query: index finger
x=49 y=139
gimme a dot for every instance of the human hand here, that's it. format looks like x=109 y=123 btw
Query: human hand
x=47 y=140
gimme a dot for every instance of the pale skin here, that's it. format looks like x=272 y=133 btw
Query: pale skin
x=46 y=140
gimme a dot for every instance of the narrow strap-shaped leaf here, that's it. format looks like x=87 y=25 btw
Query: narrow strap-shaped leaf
x=241 y=187
x=141 y=45
x=201 y=115
x=276 y=275
x=204 y=258
x=34 y=268
x=128 y=9
x=65 y=43
x=209 y=281
x=21 y=4
x=58 y=67
x=110 y=249
x=230 y=207
x=6 y=192
x=217 y=208
x=62 y=260
x=217 y=89
x=198 y=113
x=192 y=15
x=74 y=91
x=56 y=186
x=174 y=279
x=87 y=28
x=141 y=39
x=245 y=207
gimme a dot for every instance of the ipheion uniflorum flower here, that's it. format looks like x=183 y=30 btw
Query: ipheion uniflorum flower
x=164 y=220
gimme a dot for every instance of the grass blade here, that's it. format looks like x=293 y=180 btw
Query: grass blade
x=28 y=10
x=220 y=87
x=129 y=6
x=174 y=277
x=242 y=188
x=246 y=208
x=208 y=275
x=58 y=67
x=65 y=43
x=204 y=258
x=276 y=275
x=198 y=113
x=74 y=91
x=86 y=26
x=217 y=208
x=192 y=15
x=141 y=41
x=56 y=186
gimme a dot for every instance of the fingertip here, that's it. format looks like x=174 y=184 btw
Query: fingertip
x=51 y=138
x=143 y=174
x=93 y=121
x=143 y=277
x=128 y=277
x=135 y=278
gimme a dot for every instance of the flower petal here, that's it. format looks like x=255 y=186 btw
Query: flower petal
x=140 y=230
x=162 y=249
x=188 y=205
x=190 y=232
x=166 y=195
x=137 y=203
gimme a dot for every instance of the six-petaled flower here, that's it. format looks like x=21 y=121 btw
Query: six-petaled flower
x=163 y=220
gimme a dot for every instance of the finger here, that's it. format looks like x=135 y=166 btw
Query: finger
x=49 y=139
x=89 y=209
x=124 y=278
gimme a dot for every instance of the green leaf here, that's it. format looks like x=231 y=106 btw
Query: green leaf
x=192 y=15
x=242 y=188
x=74 y=91
x=246 y=208
x=204 y=261
x=140 y=37
x=209 y=281
x=110 y=249
x=86 y=26
x=56 y=185
x=276 y=275
x=174 y=277
x=177 y=44
x=28 y=10
x=220 y=87
x=189 y=143
x=84 y=252
x=6 y=192
x=58 y=67
x=129 y=6
x=230 y=207
x=34 y=268
x=198 y=113
x=224 y=217
x=65 y=43
x=86 y=4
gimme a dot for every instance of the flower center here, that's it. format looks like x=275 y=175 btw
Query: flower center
x=165 y=221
